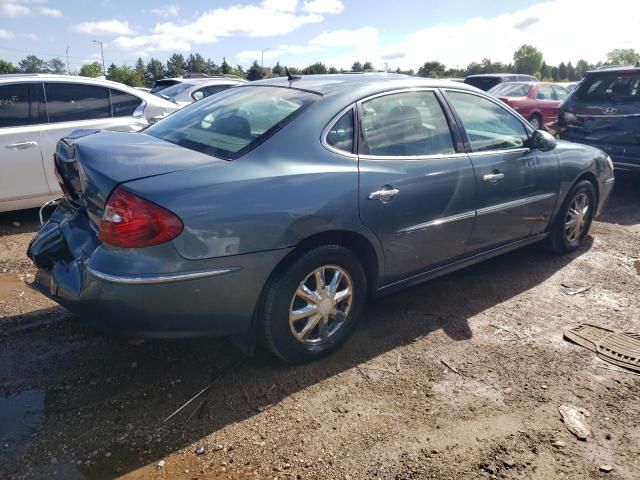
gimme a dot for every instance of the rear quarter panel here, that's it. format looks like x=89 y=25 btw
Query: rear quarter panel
x=285 y=190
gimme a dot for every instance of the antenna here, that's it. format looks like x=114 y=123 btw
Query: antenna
x=290 y=77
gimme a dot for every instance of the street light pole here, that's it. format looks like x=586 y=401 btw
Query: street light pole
x=104 y=70
x=262 y=58
x=68 y=69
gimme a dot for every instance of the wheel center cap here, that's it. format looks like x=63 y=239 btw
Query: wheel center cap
x=326 y=306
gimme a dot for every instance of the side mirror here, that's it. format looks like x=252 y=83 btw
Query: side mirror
x=543 y=141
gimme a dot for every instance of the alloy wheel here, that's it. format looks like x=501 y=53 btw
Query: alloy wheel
x=577 y=217
x=321 y=304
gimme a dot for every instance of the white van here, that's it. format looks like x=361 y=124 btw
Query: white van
x=36 y=110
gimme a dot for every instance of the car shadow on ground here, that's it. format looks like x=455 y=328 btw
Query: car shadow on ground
x=103 y=394
x=623 y=207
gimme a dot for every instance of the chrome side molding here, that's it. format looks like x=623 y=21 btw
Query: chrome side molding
x=159 y=278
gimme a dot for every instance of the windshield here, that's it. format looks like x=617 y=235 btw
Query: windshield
x=231 y=123
x=511 y=90
x=610 y=86
x=174 y=90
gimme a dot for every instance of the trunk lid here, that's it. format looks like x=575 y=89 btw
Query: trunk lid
x=92 y=163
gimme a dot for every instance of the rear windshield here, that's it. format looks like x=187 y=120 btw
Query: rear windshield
x=174 y=90
x=483 y=83
x=610 y=86
x=233 y=122
x=162 y=84
x=511 y=90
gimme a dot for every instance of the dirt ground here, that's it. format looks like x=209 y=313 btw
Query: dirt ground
x=459 y=378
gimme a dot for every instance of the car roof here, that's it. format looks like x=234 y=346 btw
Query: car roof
x=500 y=75
x=614 y=69
x=339 y=82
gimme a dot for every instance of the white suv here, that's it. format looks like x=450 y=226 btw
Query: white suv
x=36 y=110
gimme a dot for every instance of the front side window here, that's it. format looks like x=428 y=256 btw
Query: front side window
x=405 y=125
x=208 y=91
x=488 y=125
x=340 y=136
x=545 y=92
x=15 y=105
x=123 y=104
x=230 y=124
x=68 y=102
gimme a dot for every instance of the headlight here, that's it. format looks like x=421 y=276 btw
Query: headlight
x=570 y=117
x=610 y=162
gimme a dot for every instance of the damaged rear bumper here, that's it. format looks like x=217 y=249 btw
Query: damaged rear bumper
x=146 y=293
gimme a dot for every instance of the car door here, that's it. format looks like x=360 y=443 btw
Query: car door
x=417 y=192
x=73 y=106
x=517 y=186
x=21 y=169
x=548 y=103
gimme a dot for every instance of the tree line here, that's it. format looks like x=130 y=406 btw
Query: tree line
x=526 y=60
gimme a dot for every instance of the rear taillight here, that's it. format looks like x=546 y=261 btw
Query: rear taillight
x=130 y=221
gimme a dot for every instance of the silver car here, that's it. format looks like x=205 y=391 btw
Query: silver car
x=194 y=89
x=36 y=110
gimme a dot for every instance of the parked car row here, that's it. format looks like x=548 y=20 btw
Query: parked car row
x=36 y=110
x=277 y=209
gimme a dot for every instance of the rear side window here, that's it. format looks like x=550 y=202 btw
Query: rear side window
x=483 y=83
x=208 y=91
x=488 y=125
x=561 y=92
x=610 y=86
x=405 y=125
x=511 y=90
x=340 y=136
x=231 y=124
x=16 y=105
x=123 y=104
x=68 y=102
x=545 y=92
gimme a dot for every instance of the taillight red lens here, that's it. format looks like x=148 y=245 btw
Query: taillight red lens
x=133 y=222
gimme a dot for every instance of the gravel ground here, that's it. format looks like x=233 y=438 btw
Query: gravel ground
x=458 y=378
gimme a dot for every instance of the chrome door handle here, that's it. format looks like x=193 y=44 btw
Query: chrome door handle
x=492 y=177
x=22 y=145
x=384 y=195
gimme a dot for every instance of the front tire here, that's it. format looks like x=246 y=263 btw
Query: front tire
x=573 y=221
x=313 y=304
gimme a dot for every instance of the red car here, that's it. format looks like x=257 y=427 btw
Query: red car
x=538 y=102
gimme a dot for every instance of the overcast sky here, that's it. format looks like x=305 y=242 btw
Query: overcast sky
x=398 y=33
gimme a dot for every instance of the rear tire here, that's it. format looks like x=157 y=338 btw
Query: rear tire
x=313 y=304
x=536 y=122
x=573 y=221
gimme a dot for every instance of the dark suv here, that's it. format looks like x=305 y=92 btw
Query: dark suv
x=489 y=80
x=604 y=111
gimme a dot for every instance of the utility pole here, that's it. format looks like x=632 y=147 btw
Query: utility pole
x=104 y=70
x=68 y=69
x=262 y=58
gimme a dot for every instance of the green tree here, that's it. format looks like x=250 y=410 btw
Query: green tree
x=356 y=67
x=255 y=72
x=57 y=66
x=155 y=71
x=7 y=67
x=196 y=63
x=315 y=68
x=581 y=67
x=623 y=56
x=571 y=72
x=176 y=65
x=125 y=74
x=555 y=75
x=333 y=70
x=527 y=59
x=225 y=68
x=140 y=68
x=211 y=68
x=93 y=69
x=545 y=72
x=432 y=70
x=367 y=67
x=32 y=64
x=277 y=71
x=239 y=71
x=563 y=74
